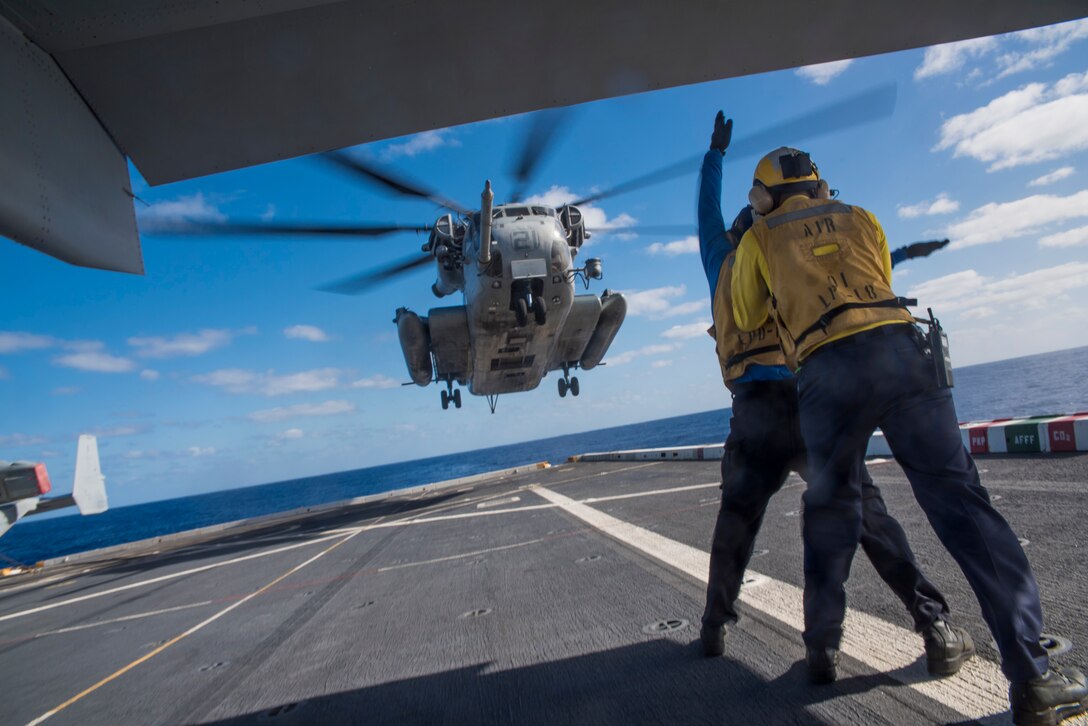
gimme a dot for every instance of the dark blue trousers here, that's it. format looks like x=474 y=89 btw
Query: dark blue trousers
x=764 y=445
x=882 y=378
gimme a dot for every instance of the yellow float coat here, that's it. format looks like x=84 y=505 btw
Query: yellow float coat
x=738 y=349
x=811 y=257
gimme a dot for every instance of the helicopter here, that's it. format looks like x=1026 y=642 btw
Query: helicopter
x=514 y=264
x=509 y=261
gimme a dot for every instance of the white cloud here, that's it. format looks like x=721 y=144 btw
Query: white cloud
x=688 y=331
x=18 y=342
x=378 y=381
x=139 y=454
x=686 y=246
x=90 y=357
x=656 y=303
x=194 y=207
x=21 y=440
x=822 y=73
x=66 y=391
x=941 y=205
x=234 y=380
x=661 y=364
x=186 y=344
x=196 y=451
x=328 y=408
x=648 y=350
x=980 y=313
x=1034 y=123
x=149 y=375
x=306 y=332
x=1068 y=238
x=1013 y=52
x=419 y=144
x=942 y=59
x=1044 y=44
x=289 y=434
x=596 y=219
x=1054 y=176
x=976 y=296
x=237 y=380
x=107 y=432
x=995 y=221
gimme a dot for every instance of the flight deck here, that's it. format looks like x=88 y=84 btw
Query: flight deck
x=566 y=594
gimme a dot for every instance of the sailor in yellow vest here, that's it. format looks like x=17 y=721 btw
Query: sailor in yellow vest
x=824 y=268
x=764 y=445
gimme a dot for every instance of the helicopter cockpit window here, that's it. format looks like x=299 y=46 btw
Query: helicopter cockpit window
x=516 y=211
x=544 y=211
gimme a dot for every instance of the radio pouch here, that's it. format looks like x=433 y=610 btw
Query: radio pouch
x=937 y=343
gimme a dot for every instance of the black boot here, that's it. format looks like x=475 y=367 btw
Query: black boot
x=1052 y=697
x=947 y=648
x=713 y=640
x=822 y=664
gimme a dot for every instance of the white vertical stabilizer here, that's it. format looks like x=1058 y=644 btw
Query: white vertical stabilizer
x=89 y=488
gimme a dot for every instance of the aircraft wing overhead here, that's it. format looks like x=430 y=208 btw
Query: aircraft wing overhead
x=189 y=89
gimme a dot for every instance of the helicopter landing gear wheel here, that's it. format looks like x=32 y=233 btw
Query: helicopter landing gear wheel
x=540 y=310
x=566 y=383
x=456 y=398
x=445 y=400
x=521 y=311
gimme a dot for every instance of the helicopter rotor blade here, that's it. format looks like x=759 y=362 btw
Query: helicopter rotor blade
x=363 y=282
x=537 y=140
x=861 y=108
x=193 y=228
x=399 y=185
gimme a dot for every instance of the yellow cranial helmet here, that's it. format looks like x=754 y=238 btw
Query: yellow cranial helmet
x=783 y=172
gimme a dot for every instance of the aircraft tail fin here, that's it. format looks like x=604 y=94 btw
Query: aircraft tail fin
x=89 y=489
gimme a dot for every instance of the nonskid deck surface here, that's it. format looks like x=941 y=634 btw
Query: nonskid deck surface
x=569 y=594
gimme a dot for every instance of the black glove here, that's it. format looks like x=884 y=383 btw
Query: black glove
x=723 y=132
x=741 y=224
x=924 y=249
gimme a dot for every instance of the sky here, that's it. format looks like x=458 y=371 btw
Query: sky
x=222 y=366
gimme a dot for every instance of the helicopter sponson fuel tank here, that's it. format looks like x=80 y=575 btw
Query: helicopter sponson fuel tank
x=613 y=312
x=415 y=343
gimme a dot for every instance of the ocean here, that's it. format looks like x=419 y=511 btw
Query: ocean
x=1047 y=383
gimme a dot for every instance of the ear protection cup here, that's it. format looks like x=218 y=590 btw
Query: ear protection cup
x=823 y=191
x=761 y=199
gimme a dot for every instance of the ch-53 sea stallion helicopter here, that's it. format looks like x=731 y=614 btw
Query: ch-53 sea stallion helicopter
x=521 y=318
x=515 y=264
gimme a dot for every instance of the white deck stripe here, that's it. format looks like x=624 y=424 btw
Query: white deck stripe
x=534 y=507
x=497 y=502
x=978 y=691
x=171 y=576
x=462 y=556
x=126 y=618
